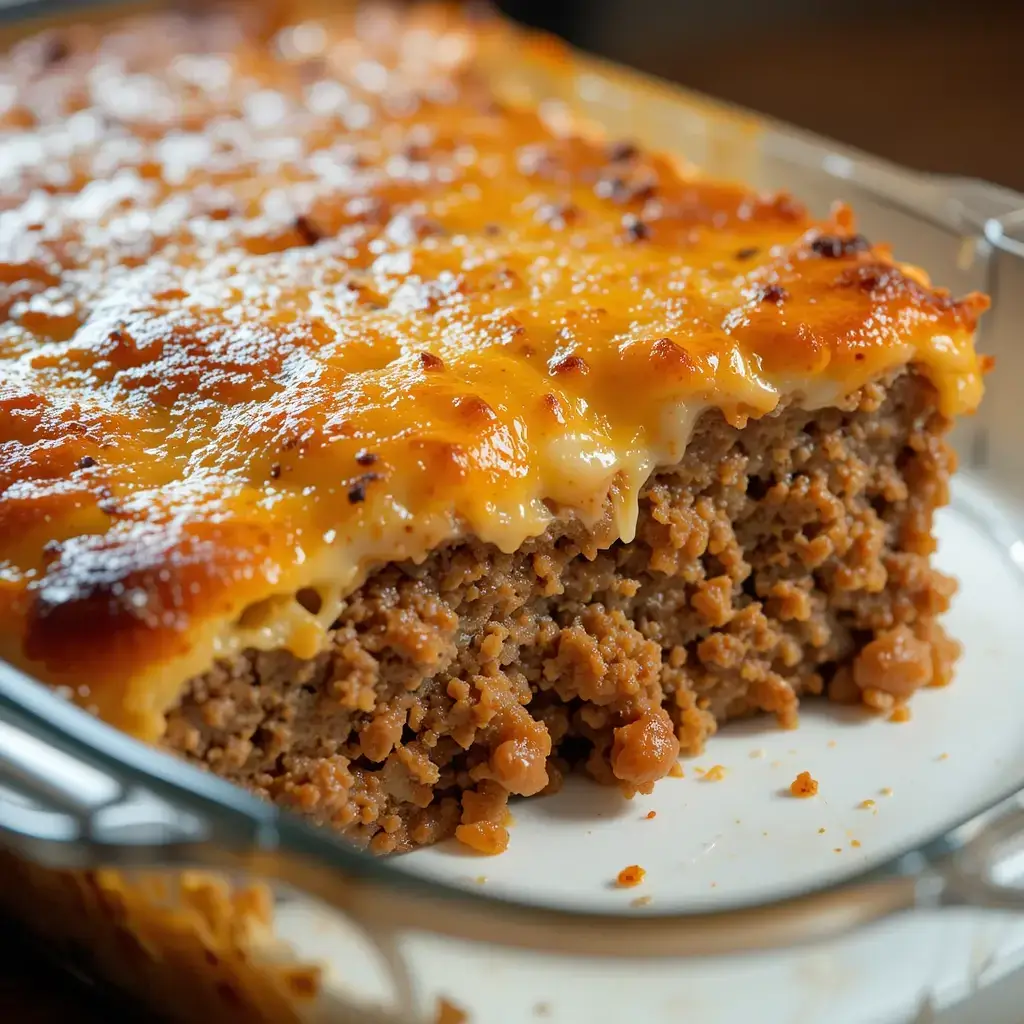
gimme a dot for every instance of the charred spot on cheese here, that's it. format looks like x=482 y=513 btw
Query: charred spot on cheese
x=553 y=405
x=619 y=152
x=55 y=50
x=568 y=364
x=558 y=215
x=636 y=229
x=835 y=247
x=357 y=492
x=623 y=189
x=774 y=293
x=473 y=407
x=307 y=229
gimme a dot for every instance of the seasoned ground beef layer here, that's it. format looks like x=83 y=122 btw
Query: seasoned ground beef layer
x=783 y=558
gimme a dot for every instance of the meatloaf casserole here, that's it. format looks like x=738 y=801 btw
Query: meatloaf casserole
x=388 y=448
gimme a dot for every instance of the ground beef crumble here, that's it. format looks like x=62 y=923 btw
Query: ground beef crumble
x=629 y=878
x=804 y=785
x=786 y=558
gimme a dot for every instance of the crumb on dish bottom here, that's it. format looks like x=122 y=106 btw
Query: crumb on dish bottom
x=804 y=785
x=787 y=557
x=630 y=877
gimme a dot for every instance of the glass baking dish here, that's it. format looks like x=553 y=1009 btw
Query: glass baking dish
x=210 y=904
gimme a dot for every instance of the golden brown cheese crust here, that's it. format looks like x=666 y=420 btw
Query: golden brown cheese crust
x=277 y=312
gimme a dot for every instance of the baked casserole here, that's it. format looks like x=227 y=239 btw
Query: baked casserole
x=389 y=448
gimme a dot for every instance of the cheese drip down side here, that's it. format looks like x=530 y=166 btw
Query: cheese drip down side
x=289 y=310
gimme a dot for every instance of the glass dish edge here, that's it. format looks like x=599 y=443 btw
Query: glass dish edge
x=260 y=835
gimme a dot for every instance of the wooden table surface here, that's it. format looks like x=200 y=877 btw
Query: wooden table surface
x=937 y=85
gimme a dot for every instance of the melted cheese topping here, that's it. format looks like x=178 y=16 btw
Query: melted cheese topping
x=276 y=312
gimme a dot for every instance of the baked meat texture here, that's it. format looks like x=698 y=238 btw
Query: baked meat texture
x=387 y=448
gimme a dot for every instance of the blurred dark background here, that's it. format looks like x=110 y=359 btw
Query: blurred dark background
x=938 y=86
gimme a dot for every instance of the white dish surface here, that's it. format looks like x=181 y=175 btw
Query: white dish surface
x=745 y=838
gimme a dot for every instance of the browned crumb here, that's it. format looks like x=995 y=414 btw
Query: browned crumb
x=855 y=842
x=942 y=757
x=715 y=773
x=867 y=805
x=483 y=836
x=481 y=879
x=303 y=981
x=886 y=791
x=676 y=771
x=838 y=849
x=640 y=901
x=892 y=666
x=900 y=713
x=651 y=814
x=629 y=878
x=803 y=786
x=832 y=744
x=714 y=885
x=821 y=831
x=449 y=1013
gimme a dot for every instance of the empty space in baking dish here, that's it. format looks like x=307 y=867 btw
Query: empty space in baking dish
x=737 y=834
